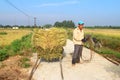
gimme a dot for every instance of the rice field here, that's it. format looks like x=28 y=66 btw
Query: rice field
x=11 y=35
x=106 y=32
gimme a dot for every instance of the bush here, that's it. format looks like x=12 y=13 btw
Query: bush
x=3 y=54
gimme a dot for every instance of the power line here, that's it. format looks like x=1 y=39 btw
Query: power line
x=17 y=8
x=10 y=3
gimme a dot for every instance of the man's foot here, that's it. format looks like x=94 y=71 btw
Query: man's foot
x=73 y=64
x=77 y=61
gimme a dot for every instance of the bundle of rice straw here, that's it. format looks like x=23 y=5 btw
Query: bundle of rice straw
x=49 y=42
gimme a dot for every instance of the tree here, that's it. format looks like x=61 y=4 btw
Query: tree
x=69 y=24
x=47 y=26
x=1 y=26
x=7 y=26
x=58 y=24
x=21 y=26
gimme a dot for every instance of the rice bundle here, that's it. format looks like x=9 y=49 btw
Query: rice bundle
x=49 y=42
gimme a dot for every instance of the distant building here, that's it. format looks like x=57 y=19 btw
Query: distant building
x=15 y=27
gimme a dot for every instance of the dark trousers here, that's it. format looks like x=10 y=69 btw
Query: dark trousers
x=77 y=53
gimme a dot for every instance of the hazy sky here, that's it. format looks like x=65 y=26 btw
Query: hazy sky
x=92 y=12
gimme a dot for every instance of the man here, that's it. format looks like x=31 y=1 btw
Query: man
x=78 y=36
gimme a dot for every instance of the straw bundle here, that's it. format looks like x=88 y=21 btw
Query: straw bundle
x=49 y=42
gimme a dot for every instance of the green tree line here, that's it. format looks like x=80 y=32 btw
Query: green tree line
x=65 y=23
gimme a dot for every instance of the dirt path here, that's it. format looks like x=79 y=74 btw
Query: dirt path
x=98 y=69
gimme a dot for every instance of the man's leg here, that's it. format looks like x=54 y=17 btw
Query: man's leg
x=75 y=54
x=78 y=56
x=79 y=53
x=81 y=49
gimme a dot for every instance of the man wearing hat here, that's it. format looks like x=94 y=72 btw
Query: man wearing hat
x=78 y=36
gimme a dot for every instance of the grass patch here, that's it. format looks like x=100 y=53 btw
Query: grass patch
x=24 y=62
x=3 y=33
x=109 y=52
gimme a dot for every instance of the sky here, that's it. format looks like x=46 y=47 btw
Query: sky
x=91 y=12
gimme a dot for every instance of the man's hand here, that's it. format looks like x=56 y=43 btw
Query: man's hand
x=86 y=38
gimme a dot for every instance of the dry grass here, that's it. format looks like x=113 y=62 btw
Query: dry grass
x=12 y=35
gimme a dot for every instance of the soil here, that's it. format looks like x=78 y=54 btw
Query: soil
x=10 y=70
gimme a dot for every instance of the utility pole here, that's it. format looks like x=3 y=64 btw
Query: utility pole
x=28 y=21
x=15 y=22
x=34 y=21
